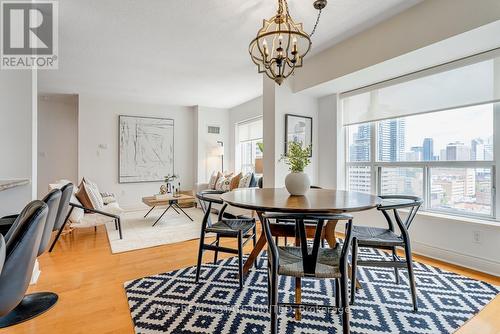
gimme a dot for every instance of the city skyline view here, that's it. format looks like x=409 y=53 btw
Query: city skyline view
x=464 y=134
x=401 y=139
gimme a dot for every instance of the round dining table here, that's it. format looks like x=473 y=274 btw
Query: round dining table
x=315 y=201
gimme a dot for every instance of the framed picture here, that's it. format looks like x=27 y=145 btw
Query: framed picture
x=298 y=129
x=146 y=149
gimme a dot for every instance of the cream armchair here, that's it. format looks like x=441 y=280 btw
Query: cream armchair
x=80 y=216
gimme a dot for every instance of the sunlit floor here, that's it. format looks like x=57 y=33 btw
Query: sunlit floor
x=89 y=281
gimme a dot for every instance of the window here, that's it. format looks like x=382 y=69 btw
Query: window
x=248 y=135
x=432 y=137
x=402 y=180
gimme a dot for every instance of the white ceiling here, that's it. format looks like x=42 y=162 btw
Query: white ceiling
x=184 y=52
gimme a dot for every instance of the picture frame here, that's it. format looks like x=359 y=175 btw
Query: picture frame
x=145 y=149
x=298 y=129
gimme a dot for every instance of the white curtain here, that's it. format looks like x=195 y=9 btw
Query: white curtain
x=250 y=130
x=470 y=84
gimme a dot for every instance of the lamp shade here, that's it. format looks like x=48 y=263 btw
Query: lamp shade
x=259 y=165
x=218 y=150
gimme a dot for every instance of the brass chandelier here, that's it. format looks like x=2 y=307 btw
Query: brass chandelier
x=281 y=44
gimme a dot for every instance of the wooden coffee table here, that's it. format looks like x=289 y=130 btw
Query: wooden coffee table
x=168 y=200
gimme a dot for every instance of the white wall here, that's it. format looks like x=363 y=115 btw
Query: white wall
x=243 y=112
x=421 y=25
x=278 y=101
x=57 y=140
x=205 y=143
x=17 y=137
x=98 y=126
x=329 y=149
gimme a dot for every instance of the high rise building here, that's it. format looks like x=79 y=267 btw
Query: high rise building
x=488 y=148
x=477 y=149
x=428 y=149
x=457 y=151
x=391 y=140
x=360 y=147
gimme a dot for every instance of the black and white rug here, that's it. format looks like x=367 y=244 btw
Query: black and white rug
x=173 y=303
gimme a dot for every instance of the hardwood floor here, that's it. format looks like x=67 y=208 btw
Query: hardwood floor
x=89 y=281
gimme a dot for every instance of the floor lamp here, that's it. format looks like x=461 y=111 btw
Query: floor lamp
x=220 y=152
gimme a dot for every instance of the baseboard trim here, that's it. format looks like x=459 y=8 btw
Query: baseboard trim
x=459 y=259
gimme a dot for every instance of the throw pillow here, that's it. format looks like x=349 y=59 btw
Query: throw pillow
x=246 y=181
x=226 y=184
x=83 y=196
x=94 y=195
x=235 y=181
x=213 y=180
x=220 y=182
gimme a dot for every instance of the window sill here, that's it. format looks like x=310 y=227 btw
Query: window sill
x=469 y=220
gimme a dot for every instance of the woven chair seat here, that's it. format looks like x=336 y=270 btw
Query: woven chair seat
x=327 y=266
x=375 y=236
x=232 y=226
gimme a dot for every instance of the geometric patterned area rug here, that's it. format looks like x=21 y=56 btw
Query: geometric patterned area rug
x=173 y=303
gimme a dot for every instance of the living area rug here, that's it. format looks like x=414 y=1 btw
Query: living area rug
x=172 y=302
x=138 y=232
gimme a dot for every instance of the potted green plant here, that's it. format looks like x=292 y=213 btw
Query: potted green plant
x=297 y=182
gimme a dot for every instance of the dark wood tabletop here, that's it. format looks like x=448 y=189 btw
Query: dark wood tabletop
x=314 y=201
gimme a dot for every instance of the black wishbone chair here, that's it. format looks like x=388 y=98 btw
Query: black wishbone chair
x=303 y=261
x=243 y=229
x=387 y=238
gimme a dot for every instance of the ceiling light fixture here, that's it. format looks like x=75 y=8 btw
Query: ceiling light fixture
x=281 y=44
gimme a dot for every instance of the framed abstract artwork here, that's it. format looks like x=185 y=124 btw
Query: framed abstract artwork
x=146 y=149
x=298 y=129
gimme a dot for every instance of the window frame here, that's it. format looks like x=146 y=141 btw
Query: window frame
x=376 y=167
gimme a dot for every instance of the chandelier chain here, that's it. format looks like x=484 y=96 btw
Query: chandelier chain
x=317 y=18
x=316 y=24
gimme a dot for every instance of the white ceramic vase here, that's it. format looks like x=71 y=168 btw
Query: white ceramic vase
x=297 y=183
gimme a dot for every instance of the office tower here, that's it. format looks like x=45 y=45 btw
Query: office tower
x=477 y=149
x=391 y=140
x=360 y=147
x=428 y=149
x=457 y=151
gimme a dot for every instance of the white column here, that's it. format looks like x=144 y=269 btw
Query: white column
x=331 y=143
x=269 y=126
x=496 y=136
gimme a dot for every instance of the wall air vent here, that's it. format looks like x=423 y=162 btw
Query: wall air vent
x=214 y=129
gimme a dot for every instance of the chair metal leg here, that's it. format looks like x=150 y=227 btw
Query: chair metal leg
x=345 y=304
x=254 y=241
x=119 y=222
x=411 y=276
x=61 y=229
x=240 y=259
x=337 y=295
x=354 y=264
x=298 y=297
x=274 y=304
x=268 y=285
x=200 y=255
x=216 y=252
x=254 y=231
x=116 y=224
x=395 y=258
